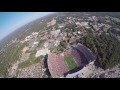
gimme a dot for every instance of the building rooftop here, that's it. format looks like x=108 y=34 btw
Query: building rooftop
x=42 y=52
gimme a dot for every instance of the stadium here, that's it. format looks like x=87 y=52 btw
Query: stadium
x=70 y=61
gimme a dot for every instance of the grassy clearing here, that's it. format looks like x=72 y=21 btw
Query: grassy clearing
x=24 y=64
x=30 y=61
x=71 y=64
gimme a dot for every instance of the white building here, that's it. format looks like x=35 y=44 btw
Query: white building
x=28 y=38
x=35 y=33
x=94 y=18
x=79 y=32
x=42 y=52
x=96 y=27
x=61 y=26
x=85 y=24
x=46 y=44
x=35 y=42
x=77 y=23
x=57 y=43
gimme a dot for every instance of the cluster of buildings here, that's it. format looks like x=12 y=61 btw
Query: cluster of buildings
x=83 y=24
x=91 y=23
x=33 y=35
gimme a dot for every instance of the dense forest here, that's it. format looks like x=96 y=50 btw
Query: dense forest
x=105 y=47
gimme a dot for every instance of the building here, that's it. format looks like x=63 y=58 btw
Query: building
x=28 y=38
x=45 y=37
x=77 y=23
x=84 y=24
x=61 y=25
x=94 y=18
x=79 y=32
x=34 y=46
x=57 y=42
x=96 y=27
x=46 y=44
x=35 y=33
x=35 y=42
x=42 y=52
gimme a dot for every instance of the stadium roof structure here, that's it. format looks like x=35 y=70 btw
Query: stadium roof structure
x=82 y=55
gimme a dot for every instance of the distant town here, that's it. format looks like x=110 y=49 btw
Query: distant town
x=67 y=45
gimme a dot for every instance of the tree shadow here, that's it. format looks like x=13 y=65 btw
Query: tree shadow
x=47 y=72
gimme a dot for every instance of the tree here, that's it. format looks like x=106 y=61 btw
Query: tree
x=63 y=44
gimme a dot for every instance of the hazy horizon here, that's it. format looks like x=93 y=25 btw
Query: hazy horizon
x=10 y=21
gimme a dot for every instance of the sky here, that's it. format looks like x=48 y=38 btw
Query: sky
x=10 y=21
